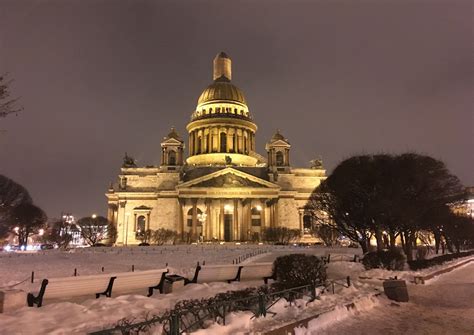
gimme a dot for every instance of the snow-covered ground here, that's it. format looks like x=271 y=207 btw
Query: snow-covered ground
x=80 y=316
x=444 y=306
x=181 y=259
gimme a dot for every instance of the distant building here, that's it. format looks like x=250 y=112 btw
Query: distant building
x=224 y=190
x=467 y=207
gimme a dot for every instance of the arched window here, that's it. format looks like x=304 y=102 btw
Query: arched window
x=141 y=224
x=190 y=217
x=172 y=157
x=223 y=142
x=257 y=216
x=246 y=150
x=279 y=158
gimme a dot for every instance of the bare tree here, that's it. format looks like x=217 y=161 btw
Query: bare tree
x=401 y=195
x=59 y=233
x=11 y=194
x=326 y=232
x=7 y=104
x=95 y=229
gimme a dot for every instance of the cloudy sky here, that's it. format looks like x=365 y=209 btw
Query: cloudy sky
x=101 y=78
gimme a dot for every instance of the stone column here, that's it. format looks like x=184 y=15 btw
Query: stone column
x=208 y=233
x=262 y=215
x=236 y=226
x=204 y=141
x=196 y=142
x=221 y=220
x=275 y=213
x=242 y=232
x=180 y=227
x=248 y=214
x=194 y=225
x=270 y=209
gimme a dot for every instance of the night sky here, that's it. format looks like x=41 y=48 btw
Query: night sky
x=101 y=78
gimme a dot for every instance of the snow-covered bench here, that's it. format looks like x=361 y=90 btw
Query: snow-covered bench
x=229 y=273
x=256 y=271
x=97 y=284
x=212 y=273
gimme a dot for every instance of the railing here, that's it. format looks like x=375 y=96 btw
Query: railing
x=177 y=322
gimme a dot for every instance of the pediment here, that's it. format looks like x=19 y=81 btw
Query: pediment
x=171 y=141
x=228 y=178
x=281 y=143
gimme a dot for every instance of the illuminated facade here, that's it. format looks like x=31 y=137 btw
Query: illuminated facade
x=224 y=190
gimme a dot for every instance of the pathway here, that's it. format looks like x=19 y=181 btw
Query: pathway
x=444 y=306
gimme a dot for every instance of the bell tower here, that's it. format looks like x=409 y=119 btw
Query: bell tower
x=278 y=150
x=172 y=148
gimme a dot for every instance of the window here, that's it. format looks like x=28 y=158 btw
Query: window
x=141 y=221
x=279 y=158
x=307 y=224
x=172 y=157
x=223 y=142
x=256 y=216
x=190 y=217
x=123 y=183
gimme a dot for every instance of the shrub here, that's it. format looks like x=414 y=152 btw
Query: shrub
x=280 y=235
x=385 y=259
x=426 y=263
x=162 y=236
x=299 y=270
x=421 y=252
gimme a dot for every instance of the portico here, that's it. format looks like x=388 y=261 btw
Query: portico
x=227 y=205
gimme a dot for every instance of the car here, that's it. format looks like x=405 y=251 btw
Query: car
x=144 y=244
x=46 y=246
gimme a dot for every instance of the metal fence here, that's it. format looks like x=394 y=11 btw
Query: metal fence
x=178 y=321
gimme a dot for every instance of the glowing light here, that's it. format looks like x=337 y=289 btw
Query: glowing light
x=41 y=232
x=94 y=216
x=228 y=207
x=259 y=208
x=16 y=229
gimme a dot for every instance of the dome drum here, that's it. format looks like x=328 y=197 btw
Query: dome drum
x=222 y=159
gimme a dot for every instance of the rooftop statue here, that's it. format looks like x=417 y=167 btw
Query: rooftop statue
x=316 y=163
x=128 y=162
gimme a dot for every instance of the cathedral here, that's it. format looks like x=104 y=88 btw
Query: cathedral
x=222 y=190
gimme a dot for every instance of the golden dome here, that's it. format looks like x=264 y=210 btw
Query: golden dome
x=222 y=89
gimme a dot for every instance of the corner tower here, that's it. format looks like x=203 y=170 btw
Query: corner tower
x=221 y=131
